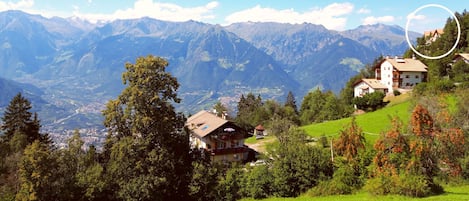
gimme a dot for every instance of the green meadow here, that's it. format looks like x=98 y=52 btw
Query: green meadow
x=453 y=193
x=372 y=123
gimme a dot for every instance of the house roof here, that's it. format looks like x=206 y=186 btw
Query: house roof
x=463 y=55
x=373 y=83
x=259 y=127
x=433 y=32
x=203 y=123
x=408 y=65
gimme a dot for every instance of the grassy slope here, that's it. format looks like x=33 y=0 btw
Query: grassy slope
x=372 y=123
x=454 y=193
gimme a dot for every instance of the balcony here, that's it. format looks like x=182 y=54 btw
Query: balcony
x=235 y=150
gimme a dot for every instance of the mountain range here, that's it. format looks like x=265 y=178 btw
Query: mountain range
x=71 y=67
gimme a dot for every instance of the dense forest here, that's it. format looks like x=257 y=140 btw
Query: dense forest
x=147 y=154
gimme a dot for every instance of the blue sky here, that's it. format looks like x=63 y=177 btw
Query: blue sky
x=333 y=14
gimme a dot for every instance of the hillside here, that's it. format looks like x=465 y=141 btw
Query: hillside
x=372 y=123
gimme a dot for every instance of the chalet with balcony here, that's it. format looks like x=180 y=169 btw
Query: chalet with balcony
x=222 y=138
x=432 y=36
x=366 y=86
x=400 y=73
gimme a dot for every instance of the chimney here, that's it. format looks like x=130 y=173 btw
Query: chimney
x=224 y=115
x=395 y=57
x=387 y=56
x=413 y=56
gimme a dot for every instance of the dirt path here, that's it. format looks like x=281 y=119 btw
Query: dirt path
x=261 y=144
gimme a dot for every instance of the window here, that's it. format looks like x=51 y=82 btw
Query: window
x=234 y=143
x=221 y=145
x=407 y=76
x=417 y=76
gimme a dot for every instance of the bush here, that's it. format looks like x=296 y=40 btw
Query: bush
x=396 y=92
x=444 y=86
x=382 y=184
x=369 y=102
x=344 y=181
x=437 y=86
x=413 y=185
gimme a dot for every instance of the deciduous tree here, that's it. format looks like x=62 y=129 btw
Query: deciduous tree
x=152 y=163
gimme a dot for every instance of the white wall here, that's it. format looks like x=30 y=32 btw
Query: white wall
x=410 y=79
x=386 y=75
x=357 y=91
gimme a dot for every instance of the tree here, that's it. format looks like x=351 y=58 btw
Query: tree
x=220 y=109
x=291 y=102
x=18 y=120
x=351 y=141
x=424 y=159
x=231 y=185
x=204 y=181
x=311 y=106
x=460 y=71
x=259 y=181
x=36 y=172
x=392 y=155
x=249 y=111
x=298 y=166
x=149 y=147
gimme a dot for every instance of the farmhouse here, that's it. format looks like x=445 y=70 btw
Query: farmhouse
x=221 y=138
x=391 y=74
x=366 y=86
x=399 y=73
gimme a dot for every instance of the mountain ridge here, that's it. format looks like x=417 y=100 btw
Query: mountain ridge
x=78 y=65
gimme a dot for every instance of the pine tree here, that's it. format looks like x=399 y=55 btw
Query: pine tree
x=291 y=102
x=18 y=120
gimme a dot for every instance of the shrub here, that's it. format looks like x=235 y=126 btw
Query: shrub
x=413 y=185
x=323 y=142
x=346 y=179
x=444 y=85
x=396 y=92
x=382 y=184
x=370 y=102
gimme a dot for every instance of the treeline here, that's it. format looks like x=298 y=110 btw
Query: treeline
x=317 y=106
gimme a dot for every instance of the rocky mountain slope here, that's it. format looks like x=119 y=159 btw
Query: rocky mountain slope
x=77 y=65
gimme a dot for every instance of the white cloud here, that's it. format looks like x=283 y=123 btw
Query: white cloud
x=20 y=5
x=375 y=20
x=162 y=11
x=412 y=16
x=331 y=16
x=363 y=11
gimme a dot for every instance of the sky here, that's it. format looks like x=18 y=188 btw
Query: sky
x=333 y=14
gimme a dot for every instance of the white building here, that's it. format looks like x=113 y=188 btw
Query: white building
x=401 y=73
x=366 y=86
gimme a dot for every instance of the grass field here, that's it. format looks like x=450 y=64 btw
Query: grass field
x=452 y=193
x=372 y=123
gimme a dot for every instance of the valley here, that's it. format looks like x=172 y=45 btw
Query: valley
x=77 y=65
